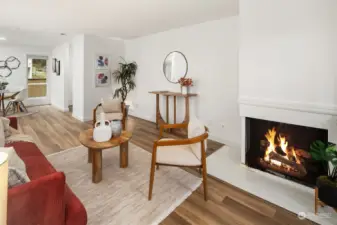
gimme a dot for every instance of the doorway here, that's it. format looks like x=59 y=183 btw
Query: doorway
x=37 y=75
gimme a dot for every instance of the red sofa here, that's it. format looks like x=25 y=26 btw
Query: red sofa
x=46 y=199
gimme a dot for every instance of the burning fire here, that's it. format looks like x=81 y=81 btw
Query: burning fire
x=288 y=152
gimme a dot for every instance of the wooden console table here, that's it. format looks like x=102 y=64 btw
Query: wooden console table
x=159 y=118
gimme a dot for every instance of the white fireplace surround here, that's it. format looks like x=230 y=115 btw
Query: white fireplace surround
x=310 y=115
x=303 y=114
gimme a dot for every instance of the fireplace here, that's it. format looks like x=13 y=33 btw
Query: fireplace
x=282 y=149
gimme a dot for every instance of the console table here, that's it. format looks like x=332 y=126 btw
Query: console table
x=159 y=118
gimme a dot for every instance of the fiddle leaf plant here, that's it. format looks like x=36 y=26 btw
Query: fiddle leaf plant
x=325 y=153
x=125 y=75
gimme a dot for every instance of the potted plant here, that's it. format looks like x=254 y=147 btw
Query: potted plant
x=125 y=75
x=326 y=153
x=3 y=84
x=185 y=84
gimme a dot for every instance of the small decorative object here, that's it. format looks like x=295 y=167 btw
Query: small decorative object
x=7 y=66
x=58 y=65
x=3 y=83
x=102 y=62
x=125 y=75
x=116 y=128
x=54 y=65
x=185 y=84
x=102 y=131
x=102 y=79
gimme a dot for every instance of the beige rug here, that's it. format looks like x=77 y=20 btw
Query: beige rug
x=121 y=197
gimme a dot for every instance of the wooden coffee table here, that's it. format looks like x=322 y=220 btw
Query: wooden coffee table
x=95 y=151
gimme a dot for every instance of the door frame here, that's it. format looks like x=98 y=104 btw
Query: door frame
x=39 y=100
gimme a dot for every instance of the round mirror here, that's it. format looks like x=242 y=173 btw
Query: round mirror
x=175 y=66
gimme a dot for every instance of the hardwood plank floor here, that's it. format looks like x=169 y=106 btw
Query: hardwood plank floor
x=54 y=131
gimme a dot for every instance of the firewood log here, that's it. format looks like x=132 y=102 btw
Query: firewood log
x=279 y=158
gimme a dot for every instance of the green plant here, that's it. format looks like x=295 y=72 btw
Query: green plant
x=325 y=153
x=125 y=75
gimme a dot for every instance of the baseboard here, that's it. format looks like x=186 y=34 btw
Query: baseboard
x=60 y=108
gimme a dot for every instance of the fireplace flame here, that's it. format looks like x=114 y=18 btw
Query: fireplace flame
x=289 y=152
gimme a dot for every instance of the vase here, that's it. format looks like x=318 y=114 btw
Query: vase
x=184 y=90
x=116 y=128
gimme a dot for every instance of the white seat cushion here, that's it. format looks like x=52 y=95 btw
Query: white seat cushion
x=177 y=155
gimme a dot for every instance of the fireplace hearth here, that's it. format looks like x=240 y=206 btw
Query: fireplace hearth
x=282 y=149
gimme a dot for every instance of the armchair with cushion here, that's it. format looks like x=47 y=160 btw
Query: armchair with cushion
x=190 y=152
x=112 y=109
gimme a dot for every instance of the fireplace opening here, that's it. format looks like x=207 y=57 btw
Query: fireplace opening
x=283 y=150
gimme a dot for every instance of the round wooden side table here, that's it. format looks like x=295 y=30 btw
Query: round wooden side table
x=95 y=151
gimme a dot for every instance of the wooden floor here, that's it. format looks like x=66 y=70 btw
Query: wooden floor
x=54 y=131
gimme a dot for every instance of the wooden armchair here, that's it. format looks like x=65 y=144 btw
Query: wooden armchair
x=188 y=152
x=110 y=116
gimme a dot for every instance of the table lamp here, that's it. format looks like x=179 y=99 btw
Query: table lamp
x=3 y=187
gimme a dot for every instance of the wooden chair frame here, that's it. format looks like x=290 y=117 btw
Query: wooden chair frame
x=123 y=111
x=319 y=202
x=187 y=141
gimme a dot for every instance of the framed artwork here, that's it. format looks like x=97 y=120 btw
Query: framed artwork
x=54 y=65
x=102 y=62
x=102 y=79
x=58 y=65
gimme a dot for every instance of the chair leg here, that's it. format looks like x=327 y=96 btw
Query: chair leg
x=153 y=165
x=204 y=180
x=23 y=106
x=8 y=107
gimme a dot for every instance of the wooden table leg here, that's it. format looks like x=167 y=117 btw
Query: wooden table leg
x=90 y=155
x=157 y=111
x=124 y=155
x=96 y=166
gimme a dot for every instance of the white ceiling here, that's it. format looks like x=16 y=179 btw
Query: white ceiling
x=41 y=21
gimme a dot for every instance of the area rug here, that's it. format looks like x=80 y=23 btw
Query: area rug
x=122 y=196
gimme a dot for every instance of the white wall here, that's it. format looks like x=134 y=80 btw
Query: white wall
x=211 y=50
x=59 y=86
x=96 y=45
x=83 y=50
x=288 y=51
x=77 y=71
x=18 y=79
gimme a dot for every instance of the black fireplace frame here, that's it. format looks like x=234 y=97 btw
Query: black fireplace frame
x=299 y=136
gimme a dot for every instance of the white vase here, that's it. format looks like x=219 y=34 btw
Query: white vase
x=102 y=131
x=184 y=90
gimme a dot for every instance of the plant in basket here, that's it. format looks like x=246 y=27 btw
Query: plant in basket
x=326 y=153
x=185 y=84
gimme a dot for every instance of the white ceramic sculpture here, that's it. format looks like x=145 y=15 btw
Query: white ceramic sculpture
x=102 y=130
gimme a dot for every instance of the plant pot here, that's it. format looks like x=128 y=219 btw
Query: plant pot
x=327 y=191
x=184 y=90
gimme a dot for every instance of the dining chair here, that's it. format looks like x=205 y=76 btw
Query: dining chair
x=16 y=104
x=189 y=152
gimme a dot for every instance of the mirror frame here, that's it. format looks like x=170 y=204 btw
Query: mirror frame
x=164 y=65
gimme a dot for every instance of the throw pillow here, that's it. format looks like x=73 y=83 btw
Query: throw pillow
x=111 y=105
x=16 y=177
x=2 y=135
x=5 y=121
x=15 y=161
